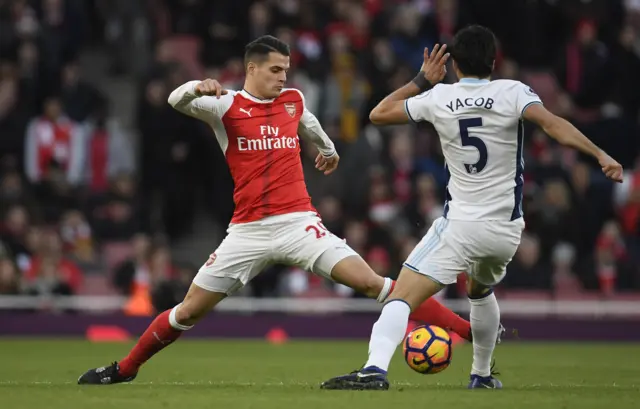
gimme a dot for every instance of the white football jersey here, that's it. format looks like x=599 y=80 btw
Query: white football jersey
x=481 y=131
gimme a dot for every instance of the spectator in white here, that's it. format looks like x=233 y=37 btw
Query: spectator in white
x=54 y=141
x=109 y=150
x=565 y=282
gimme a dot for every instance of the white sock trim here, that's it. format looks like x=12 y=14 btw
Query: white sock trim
x=174 y=323
x=488 y=299
x=384 y=293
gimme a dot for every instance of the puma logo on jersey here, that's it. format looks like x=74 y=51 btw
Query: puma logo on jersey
x=245 y=111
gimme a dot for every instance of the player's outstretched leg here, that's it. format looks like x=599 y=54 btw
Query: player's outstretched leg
x=433 y=313
x=485 y=325
x=350 y=269
x=165 y=328
x=410 y=291
x=354 y=272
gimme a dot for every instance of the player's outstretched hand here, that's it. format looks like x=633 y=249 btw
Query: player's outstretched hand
x=210 y=87
x=610 y=167
x=434 y=65
x=327 y=165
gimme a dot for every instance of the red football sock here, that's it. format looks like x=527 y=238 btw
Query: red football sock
x=159 y=334
x=434 y=313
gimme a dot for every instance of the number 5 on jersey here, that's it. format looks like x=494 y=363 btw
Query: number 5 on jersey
x=468 y=140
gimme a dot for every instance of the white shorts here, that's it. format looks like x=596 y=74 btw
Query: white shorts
x=482 y=249
x=296 y=239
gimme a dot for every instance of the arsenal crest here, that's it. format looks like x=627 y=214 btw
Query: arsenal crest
x=291 y=109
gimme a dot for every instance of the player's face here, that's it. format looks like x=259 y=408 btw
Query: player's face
x=272 y=74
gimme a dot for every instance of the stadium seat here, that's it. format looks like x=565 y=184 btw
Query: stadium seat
x=97 y=284
x=545 y=85
x=115 y=253
x=186 y=50
x=525 y=295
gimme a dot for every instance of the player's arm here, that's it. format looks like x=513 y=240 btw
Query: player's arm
x=392 y=109
x=567 y=134
x=194 y=99
x=310 y=129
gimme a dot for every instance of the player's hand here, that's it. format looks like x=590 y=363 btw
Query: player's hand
x=610 y=167
x=210 y=87
x=434 y=65
x=327 y=165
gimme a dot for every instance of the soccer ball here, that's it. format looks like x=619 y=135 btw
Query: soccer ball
x=427 y=349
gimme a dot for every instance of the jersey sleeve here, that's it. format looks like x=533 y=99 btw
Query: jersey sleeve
x=205 y=108
x=525 y=97
x=421 y=107
x=311 y=130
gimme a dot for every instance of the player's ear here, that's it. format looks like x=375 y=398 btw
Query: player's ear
x=251 y=67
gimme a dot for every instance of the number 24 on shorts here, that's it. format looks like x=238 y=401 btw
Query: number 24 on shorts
x=319 y=230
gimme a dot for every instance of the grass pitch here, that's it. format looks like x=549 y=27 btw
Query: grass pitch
x=254 y=374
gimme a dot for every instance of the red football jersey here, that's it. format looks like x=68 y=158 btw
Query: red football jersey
x=260 y=141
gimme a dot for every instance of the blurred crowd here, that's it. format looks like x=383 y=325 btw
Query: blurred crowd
x=77 y=185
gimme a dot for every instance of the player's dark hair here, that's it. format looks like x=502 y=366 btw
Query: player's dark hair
x=258 y=50
x=474 y=50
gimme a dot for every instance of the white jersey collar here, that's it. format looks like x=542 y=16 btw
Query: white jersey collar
x=247 y=95
x=473 y=81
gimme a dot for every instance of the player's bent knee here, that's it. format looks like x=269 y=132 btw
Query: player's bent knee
x=197 y=303
x=477 y=290
x=353 y=272
x=186 y=315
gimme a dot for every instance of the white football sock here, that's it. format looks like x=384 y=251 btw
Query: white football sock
x=388 y=333
x=485 y=320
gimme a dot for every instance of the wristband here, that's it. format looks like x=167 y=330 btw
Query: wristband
x=422 y=83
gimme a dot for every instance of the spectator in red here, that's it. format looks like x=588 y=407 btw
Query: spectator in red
x=50 y=271
x=583 y=69
x=610 y=251
x=110 y=151
x=77 y=236
x=54 y=141
x=378 y=259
